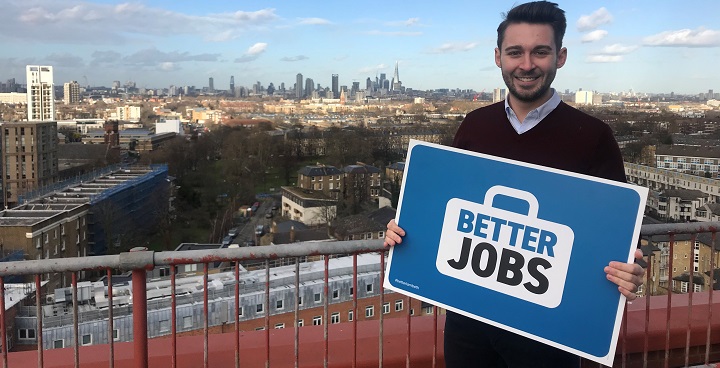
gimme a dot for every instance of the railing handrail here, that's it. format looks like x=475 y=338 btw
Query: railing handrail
x=151 y=259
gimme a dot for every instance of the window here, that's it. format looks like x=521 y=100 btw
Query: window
x=26 y=333
x=164 y=325
x=279 y=304
x=428 y=310
x=335 y=318
x=300 y=323
x=240 y=311
x=317 y=297
x=412 y=312
x=369 y=311
x=350 y=316
x=37 y=243
x=259 y=328
x=352 y=289
x=369 y=288
x=47 y=238
x=116 y=334
x=187 y=321
x=368 y=236
x=317 y=320
x=381 y=234
x=62 y=229
x=58 y=344
x=86 y=340
x=259 y=308
x=279 y=326
x=336 y=294
x=386 y=308
x=398 y=305
x=300 y=300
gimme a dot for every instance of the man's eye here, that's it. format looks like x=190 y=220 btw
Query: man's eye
x=513 y=53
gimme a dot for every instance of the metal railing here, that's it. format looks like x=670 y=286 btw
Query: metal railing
x=634 y=346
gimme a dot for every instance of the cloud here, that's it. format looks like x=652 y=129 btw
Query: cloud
x=373 y=69
x=604 y=58
x=252 y=53
x=64 y=20
x=594 y=20
x=700 y=37
x=294 y=58
x=448 y=48
x=153 y=57
x=65 y=60
x=314 y=21
x=393 y=34
x=169 y=66
x=595 y=35
x=618 y=49
x=105 y=57
x=404 y=23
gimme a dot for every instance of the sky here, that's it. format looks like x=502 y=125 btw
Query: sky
x=649 y=46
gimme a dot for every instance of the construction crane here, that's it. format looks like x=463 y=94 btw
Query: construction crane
x=86 y=81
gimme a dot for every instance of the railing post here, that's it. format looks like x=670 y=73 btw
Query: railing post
x=137 y=261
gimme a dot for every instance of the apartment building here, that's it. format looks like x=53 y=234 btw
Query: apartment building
x=29 y=157
x=697 y=160
x=40 y=93
x=71 y=93
x=324 y=178
x=311 y=207
x=362 y=181
x=681 y=204
x=659 y=179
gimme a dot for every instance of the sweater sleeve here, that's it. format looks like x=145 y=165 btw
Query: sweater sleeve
x=608 y=161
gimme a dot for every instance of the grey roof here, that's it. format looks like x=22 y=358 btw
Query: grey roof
x=284 y=227
x=312 y=234
x=320 y=170
x=397 y=166
x=361 y=169
x=684 y=194
x=79 y=151
x=714 y=208
x=689 y=151
x=686 y=278
x=365 y=222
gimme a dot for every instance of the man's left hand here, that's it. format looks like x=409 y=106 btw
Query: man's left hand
x=627 y=276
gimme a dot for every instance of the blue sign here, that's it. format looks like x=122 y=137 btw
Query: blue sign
x=519 y=246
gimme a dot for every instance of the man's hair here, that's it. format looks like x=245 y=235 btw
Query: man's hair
x=536 y=12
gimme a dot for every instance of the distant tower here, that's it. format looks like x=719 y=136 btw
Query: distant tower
x=40 y=93
x=211 y=84
x=383 y=78
x=397 y=85
x=335 y=86
x=299 y=86
x=232 y=84
x=498 y=94
x=71 y=93
x=309 y=87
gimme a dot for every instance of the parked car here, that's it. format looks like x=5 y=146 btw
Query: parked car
x=233 y=232
x=227 y=240
x=260 y=230
x=269 y=214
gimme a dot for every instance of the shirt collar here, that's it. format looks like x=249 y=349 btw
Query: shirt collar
x=535 y=116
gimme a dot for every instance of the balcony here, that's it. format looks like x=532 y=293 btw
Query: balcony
x=672 y=330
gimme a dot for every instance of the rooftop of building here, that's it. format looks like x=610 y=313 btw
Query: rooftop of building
x=688 y=151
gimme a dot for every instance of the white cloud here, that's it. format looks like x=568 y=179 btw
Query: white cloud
x=700 y=37
x=454 y=47
x=604 y=58
x=252 y=53
x=66 y=60
x=594 y=20
x=618 y=49
x=314 y=21
x=97 y=23
x=294 y=58
x=595 y=35
x=393 y=34
x=404 y=23
x=168 y=66
x=373 y=69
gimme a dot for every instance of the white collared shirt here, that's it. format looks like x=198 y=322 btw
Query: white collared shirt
x=535 y=116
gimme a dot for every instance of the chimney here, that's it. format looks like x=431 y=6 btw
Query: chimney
x=292 y=234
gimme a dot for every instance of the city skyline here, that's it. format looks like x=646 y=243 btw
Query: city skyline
x=613 y=46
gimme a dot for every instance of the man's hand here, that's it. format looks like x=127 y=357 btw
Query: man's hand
x=394 y=234
x=627 y=276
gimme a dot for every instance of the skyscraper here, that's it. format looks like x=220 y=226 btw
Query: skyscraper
x=71 y=93
x=232 y=84
x=299 y=86
x=335 y=86
x=396 y=85
x=211 y=84
x=40 y=93
x=309 y=87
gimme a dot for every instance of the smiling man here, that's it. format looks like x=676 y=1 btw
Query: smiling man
x=532 y=125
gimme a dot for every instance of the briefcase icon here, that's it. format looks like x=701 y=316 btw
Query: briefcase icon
x=511 y=253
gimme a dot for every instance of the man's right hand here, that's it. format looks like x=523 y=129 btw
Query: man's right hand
x=394 y=234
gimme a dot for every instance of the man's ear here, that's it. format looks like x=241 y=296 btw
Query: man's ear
x=497 y=58
x=561 y=57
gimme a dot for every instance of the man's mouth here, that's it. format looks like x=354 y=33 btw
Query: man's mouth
x=527 y=79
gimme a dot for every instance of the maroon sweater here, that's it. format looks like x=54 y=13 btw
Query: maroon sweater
x=567 y=139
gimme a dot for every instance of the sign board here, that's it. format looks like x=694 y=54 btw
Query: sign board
x=518 y=246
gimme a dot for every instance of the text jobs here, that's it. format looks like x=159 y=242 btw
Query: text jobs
x=515 y=254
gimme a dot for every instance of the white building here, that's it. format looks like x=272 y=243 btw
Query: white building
x=169 y=126
x=659 y=180
x=127 y=113
x=40 y=93
x=499 y=94
x=13 y=98
x=584 y=97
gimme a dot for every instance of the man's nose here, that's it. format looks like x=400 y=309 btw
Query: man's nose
x=527 y=63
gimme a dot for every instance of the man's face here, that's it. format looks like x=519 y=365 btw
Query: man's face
x=529 y=59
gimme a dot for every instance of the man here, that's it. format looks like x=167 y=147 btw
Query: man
x=532 y=125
